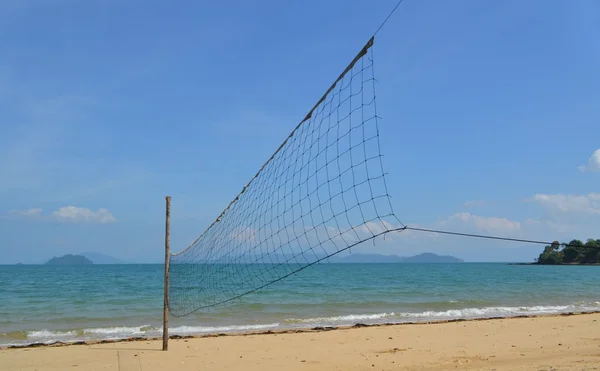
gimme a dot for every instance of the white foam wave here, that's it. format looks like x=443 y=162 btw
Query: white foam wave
x=111 y=333
x=131 y=331
x=114 y=333
x=341 y=319
x=465 y=313
x=47 y=335
x=487 y=312
x=191 y=330
x=504 y=311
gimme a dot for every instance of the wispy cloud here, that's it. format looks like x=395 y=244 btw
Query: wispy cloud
x=482 y=223
x=30 y=213
x=566 y=203
x=81 y=214
x=71 y=214
x=593 y=164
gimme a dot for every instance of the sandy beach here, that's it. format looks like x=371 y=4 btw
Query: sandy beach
x=564 y=342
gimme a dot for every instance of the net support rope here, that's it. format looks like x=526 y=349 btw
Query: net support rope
x=322 y=192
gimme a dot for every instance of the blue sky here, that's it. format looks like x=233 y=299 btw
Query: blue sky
x=490 y=117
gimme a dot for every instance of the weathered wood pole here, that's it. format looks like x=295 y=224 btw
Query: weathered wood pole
x=167 y=260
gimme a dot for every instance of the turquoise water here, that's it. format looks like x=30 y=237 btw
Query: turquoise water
x=44 y=304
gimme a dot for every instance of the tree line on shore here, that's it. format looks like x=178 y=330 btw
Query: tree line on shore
x=574 y=252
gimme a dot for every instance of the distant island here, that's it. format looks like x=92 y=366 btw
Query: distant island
x=366 y=258
x=339 y=259
x=432 y=258
x=69 y=259
x=572 y=253
x=377 y=258
x=98 y=258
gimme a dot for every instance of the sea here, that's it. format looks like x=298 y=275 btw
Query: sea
x=48 y=304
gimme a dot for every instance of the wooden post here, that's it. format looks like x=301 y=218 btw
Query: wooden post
x=167 y=260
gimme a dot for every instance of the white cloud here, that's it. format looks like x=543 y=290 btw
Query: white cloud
x=82 y=214
x=30 y=213
x=66 y=214
x=483 y=223
x=587 y=204
x=593 y=164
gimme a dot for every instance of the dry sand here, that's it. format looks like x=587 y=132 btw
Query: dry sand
x=539 y=343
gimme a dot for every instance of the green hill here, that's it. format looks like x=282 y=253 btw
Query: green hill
x=69 y=259
x=574 y=252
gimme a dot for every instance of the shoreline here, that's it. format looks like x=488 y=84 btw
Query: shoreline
x=318 y=329
x=567 y=341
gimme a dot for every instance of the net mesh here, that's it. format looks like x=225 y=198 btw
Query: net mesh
x=322 y=192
